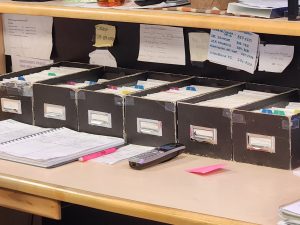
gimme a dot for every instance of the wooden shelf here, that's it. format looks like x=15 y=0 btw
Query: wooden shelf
x=196 y=20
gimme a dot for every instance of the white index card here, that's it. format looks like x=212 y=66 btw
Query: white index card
x=234 y=49
x=198 y=46
x=102 y=57
x=275 y=58
x=23 y=63
x=28 y=36
x=161 y=44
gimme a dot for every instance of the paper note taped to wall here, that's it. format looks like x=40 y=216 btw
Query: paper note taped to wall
x=198 y=46
x=102 y=57
x=28 y=36
x=23 y=63
x=161 y=44
x=275 y=58
x=234 y=49
x=105 y=35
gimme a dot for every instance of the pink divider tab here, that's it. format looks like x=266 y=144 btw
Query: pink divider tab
x=206 y=169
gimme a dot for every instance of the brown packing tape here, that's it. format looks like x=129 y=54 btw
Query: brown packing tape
x=238 y=118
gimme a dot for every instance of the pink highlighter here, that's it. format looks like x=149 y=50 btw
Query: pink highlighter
x=97 y=154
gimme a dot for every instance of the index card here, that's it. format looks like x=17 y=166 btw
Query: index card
x=234 y=49
x=206 y=169
x=28 y=36
x=102 y=57
x=161 y=44
x=105 y=35
x=198 y=46
x=275 y=58
x=23 y=63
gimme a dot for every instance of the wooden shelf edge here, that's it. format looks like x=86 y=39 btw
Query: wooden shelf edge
x=112 y=204
x=196 y=20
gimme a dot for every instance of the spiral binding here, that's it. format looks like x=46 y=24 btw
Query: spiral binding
x=30 y=136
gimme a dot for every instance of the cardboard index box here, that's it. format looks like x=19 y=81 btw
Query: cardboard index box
x=103 y=113
x=154 y=122
x=206 y=131
x=264 y=139
x=16 y=102
x=56 y=106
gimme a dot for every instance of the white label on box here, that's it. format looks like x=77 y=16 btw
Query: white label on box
x=203 y=134
x=147 y=126
x=55 y=111
x=101 y=119
x=11 y=106
x=258 y=142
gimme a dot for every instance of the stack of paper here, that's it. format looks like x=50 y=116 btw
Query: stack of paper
x=290 y=214
x=51 y=147
x=140 y=85
x=233 y=101
x=176 y=94
x=291 y=109
x=40 y=76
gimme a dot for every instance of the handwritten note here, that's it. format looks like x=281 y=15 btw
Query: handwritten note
x=161 y=44
x=102 y=57
x=275 y=58
x=234 y=49
x=206 y=169
x=198 y=46
x=28 y=36
x=22 y=63
x=105 y=35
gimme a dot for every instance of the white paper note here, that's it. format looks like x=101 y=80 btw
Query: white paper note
x=28 y=36
x=234 y=49
x=275 y=58
x=102 y=57
x=123 y=153
x=161 y=44
x=23 y=63
x=198 y=46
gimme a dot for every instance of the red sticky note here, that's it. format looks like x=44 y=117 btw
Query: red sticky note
x=206 y=169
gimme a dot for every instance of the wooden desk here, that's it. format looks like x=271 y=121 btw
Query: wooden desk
x=244 y=194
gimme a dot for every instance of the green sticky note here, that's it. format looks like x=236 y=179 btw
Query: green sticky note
x=51 y=74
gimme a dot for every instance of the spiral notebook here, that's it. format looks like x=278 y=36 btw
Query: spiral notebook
x=54 y=147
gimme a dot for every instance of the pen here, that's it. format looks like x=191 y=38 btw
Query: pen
x=97 y=154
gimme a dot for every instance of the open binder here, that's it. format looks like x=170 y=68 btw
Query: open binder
x=54 y=147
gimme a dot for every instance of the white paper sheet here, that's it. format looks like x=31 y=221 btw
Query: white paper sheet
x=28 y=36
x=161 y=44
x=102 y=57
x=265 y=3
x=198 y=46
x=23 y=63
x=275 y=58
x=11 y=129
x=123 y=153
x=234 y=49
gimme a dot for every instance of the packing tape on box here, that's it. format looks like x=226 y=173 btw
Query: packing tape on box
x=119 y=101
x=169 y=106
x=227 y=113
x=238 y=118
x=129 y=101
x=81 y=95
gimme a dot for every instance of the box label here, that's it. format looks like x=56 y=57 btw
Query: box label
x=57 y=112
x=101 y=119
x=258 y=142
x=11 y=106
x=147 y=126
x=203 y=134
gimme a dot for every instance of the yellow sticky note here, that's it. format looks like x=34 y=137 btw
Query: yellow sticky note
x=105 y=35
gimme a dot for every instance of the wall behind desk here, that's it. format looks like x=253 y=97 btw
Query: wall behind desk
x=73 y=40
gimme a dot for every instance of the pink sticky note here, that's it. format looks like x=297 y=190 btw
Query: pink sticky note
x=206 y=169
